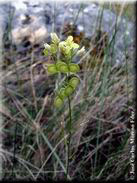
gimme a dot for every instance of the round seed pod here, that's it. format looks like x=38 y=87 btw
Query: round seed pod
x=59 y=63
x=69 y=90
x=74 y=68
x=58 y=102
x=52 y=68
x=62 y=67
x=62 y=94
x=74 y=82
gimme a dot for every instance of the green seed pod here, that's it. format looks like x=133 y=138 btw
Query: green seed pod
x=74 y=82
x=62 y=67
x=59 y=63
x=58 y=102
x=52 y=68
x=62 y=94
x=69 y=90
x=74 y=68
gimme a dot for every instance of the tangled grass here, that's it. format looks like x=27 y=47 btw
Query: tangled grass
x=33 y=130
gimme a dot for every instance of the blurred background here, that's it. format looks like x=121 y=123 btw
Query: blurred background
x=32 y=129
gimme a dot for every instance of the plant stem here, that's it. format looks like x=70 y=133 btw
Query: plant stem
x=69 y=138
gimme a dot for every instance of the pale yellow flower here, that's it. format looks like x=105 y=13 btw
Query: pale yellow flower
x=54 y=38
x=47 y=46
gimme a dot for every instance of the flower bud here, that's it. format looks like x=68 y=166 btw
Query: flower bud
x=54 y=49
x=55 y=38
x=70 y=43
x=62 y=44
x=64 y=48
x=75 y=45
x=69 y=40
x=47 y=49
x=47 y=46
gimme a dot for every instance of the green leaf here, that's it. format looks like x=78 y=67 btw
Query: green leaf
x=58 y=102
x=74 y=82
x=52 y=68
x=74 y=68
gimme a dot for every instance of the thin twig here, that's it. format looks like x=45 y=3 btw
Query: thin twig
x=69 y=138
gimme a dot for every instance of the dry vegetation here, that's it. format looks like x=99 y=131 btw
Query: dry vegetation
x=33 y=130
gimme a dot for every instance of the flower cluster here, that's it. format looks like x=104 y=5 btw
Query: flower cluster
x=68 y=49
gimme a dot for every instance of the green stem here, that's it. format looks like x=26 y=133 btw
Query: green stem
x=69 y=138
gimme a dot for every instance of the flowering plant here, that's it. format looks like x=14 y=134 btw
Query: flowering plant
x=68 y=49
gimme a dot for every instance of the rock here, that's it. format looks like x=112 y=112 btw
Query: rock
x=39 y=35
x=33 y=20
x=34 y=36
x=30 y=28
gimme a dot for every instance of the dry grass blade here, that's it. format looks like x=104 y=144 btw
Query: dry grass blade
x=100 y=104
x=50 y=155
